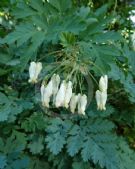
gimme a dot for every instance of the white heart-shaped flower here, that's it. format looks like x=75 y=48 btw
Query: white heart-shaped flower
x=56 y=81
x=73 y=102
x=101 y=98
x=60 y=97
x=34 y=71
x=46 y=93
x=68 y=94
x=82 y=104
x=103 y=83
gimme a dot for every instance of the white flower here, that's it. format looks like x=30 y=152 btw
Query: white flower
x=103 y=83
x=82 y=103
x=68 y=94
x=61 y=95
x=133 y=40
x=34 y=71
x=42 y=90
x=73 y=102
x=46 y=93
x=101 y=95
x=49 y=88
x=56 y=81
x=101 y=98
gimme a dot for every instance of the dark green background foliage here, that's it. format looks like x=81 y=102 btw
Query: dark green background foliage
x=31 y=138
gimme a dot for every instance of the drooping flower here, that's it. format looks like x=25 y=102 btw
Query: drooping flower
x=101 y=98
x=68 y=94
x=82 y=103
x=133 y=40
x=103 y=83
x=42 y=90
x=46 y=93
x=34 y=71
x=73 y=102
x=56 y=81
x=61 y=95
x=101 y=94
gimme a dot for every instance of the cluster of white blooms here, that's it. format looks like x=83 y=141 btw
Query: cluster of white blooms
x=101 y=94
x=34 y=71
x=62 y=95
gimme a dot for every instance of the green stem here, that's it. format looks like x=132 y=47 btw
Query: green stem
x=97 y=67
x=54 y=52
x=115 y=6
x=93 y=78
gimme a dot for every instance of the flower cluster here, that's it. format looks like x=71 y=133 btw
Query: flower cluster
x=62 y=95
x=101 y=94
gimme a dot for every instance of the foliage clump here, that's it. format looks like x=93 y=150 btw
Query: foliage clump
x=81 y=42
